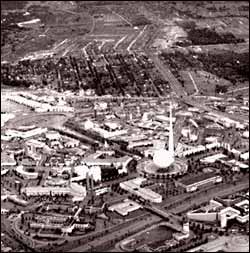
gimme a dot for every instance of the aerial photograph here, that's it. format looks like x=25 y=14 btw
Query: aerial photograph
x=124 y=126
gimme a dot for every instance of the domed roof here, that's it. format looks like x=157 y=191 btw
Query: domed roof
x=163 y=158
x=88 y=124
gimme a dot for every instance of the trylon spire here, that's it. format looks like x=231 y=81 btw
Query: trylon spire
x=171 y=135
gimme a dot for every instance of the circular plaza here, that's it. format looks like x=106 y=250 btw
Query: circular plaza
x=150 y=169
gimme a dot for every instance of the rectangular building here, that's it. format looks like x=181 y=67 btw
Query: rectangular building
x=193 y=183
x=133 y=186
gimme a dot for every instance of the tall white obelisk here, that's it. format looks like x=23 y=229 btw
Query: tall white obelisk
x=171 y=134
x=165 y=158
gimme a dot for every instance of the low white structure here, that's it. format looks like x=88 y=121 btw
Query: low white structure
x=238 y=164
x=120 y=163
x=75 y=190
x=213 y=158
x=245 y=134
x=188 y=150
x=83 y=170
x=25 y=134
x=90 y=126
x=4 y=210
x=245 y=156
x=227 y=122
x=133 y=186
x=30 y=22
x=34 y=148
x=192 y=184
x=52 y=135
x=215 y=211
x=31 y=101
x=124 y=208
x=4 y=171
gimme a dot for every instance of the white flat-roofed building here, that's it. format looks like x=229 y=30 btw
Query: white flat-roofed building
x=4 y=171
x=35 y=147
x=213 y=158
x=133 y=186
x=83 y=170
x=89 y=125
x=28 y=102
x=120 y=163
x=124 y=208
x=112 y=126
x=144 y=143
x=226 y=214
x=216 y=211
x=192 y=150
x=25 y=134
x=4 y=210
x=52 y=135
x=61 y=108
x=184 y=114
x=239 y=164
x=134 y=137
x=45 y=191
x=192 y=183
x=75 y=190
x=32 y=101
x=102 y=190
x=193 y=109
x=245 y=134
x=55 y=182
x=227 y=122
x=244 y=207
x=245 y=156
x=6 y=137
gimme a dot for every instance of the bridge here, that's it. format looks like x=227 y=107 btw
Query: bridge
x=174 y=220
x=158 y=212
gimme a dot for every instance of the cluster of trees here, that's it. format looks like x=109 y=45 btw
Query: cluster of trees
x=15 y=83
x=221 y=88
x=116 y=188
x=140 y=20
x=228 y=65
x=206 y=36
x=224 y=64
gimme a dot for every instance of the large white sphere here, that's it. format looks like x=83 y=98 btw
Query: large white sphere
x=88 y=124
x=163 y=158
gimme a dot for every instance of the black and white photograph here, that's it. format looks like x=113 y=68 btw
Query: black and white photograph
x=124 y=126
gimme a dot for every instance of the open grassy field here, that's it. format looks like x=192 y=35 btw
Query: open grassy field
x=56 y=23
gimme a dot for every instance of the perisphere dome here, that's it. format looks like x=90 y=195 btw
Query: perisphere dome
x=163 y=158
x=88 y=124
